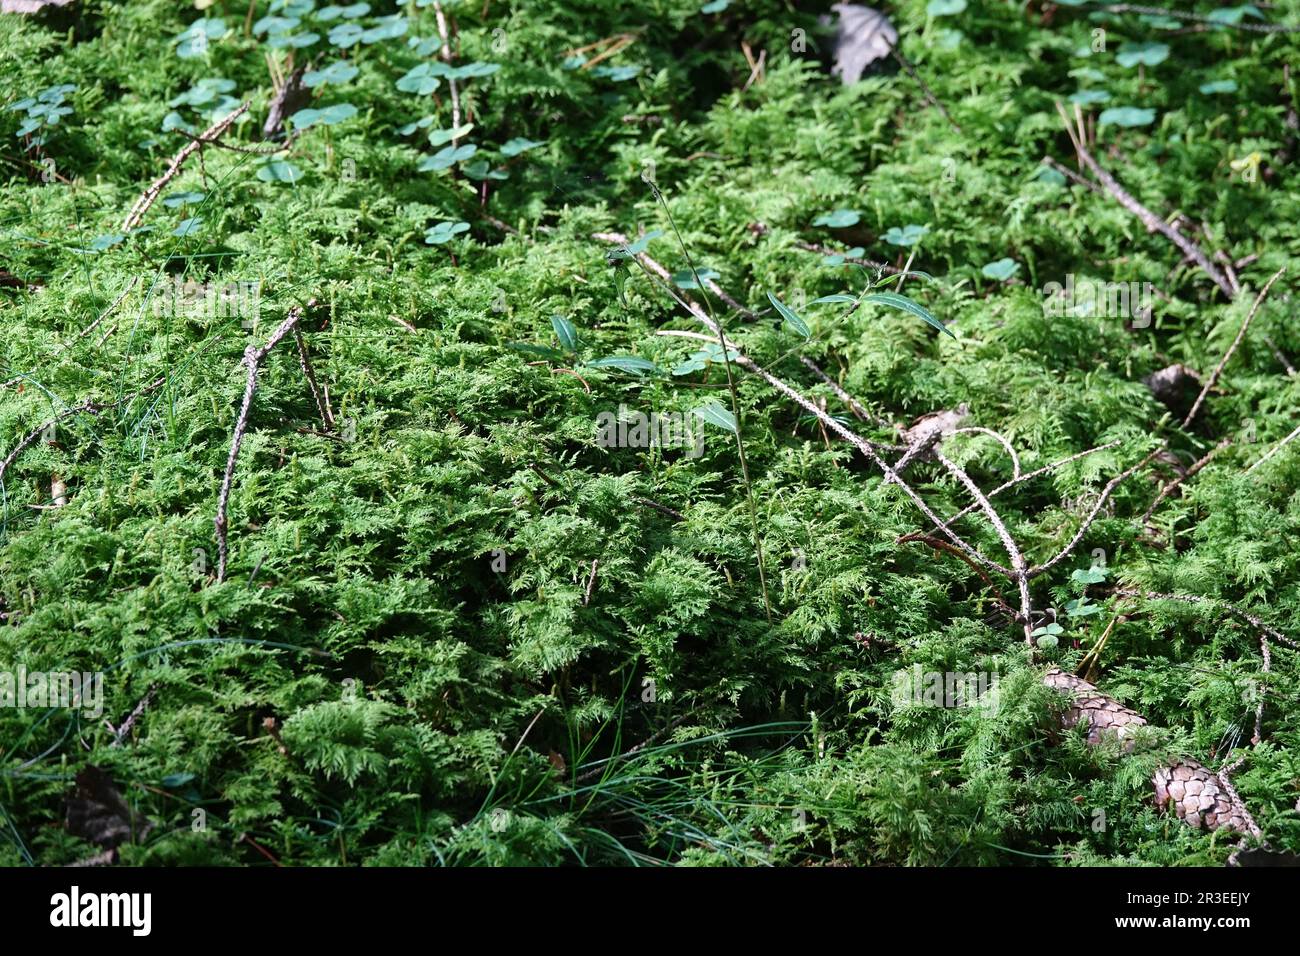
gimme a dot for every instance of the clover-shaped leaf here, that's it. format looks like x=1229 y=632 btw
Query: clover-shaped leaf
x=838 y=219
x=909 y=235
x=1001 y=270
x=444 y=232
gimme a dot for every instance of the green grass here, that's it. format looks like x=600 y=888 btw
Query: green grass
x=429 y=709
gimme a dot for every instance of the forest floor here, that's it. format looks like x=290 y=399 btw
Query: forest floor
x=329 y=458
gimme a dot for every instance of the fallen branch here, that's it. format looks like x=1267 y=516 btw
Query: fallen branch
x=1092 y=516
x=88 y=407
x=1200 y=18
x=322 y=400
x=1241 y=333
x=252 y=359
x=1191 y=472
x=150 y=195
x=1149 y=219
x=446 y=58
x=1275 y=449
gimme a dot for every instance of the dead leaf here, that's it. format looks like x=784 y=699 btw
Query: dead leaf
x=97 y=812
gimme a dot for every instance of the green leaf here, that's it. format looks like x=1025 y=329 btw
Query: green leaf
x=440 y=136
x=447 y=157
x=340 y=71
x=1126 y=116
x=389 y=28
x=279 y=171
x=796 y=324
x=1081 y=608
x=909 y=235
x=1218 y=86
x=532 y=349
x=188 y=226
x=716 y=6
x=1093 y=575
x=100 y=243
x=685 y=279
x=1002 y=270
x=519 y=145
x=183 y=199
x=945 y=8
x=1234 y=14
x=326 y=116
x=838 y=219
x=838 y=297
x=565 y=332
x=1089 y=97
x=715 y=414
x=901 y=302
x=1149 y=54
x=444 y=232
x=626 y=363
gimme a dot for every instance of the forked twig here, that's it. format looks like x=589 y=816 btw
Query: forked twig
x=150 y=195
x=1149 y=219
x=1241 y=333
x=252 y=359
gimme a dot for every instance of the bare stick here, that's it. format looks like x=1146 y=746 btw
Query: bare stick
x=1013 y=552
x=1149 y=219
x=322 y=401
x=1277 y=354
x=662 y=509
x=1033 y=474
x=1275 y=449
x=150 y=195
x=1092 y=516
x=1241 y=333
x=591 y=582
x=119 y=733
x=853 y=404
x=1072 y=175
x=1190 y=473
x=1200 y=18
x=824 y=251
x=925 y=88
x=446 y=56
x=252 y=358
x=89 y=407
x=1198 y=599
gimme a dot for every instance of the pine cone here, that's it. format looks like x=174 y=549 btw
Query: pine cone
x=1104 y=714
x=1198 y=797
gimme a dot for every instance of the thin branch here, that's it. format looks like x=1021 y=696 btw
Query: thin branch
x=1013 y=551
x=446 y=56
x=1275 y=449
x=322 y=401
x=1190 y=473
x=1241 y=333
x=1033 y=474
x=88 y=407
x=1200 y=18
x=1092 y=516
x=252 y=359
x=150 y=195
x=1149 y=219
x=591 y=582
x=1198 y=599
